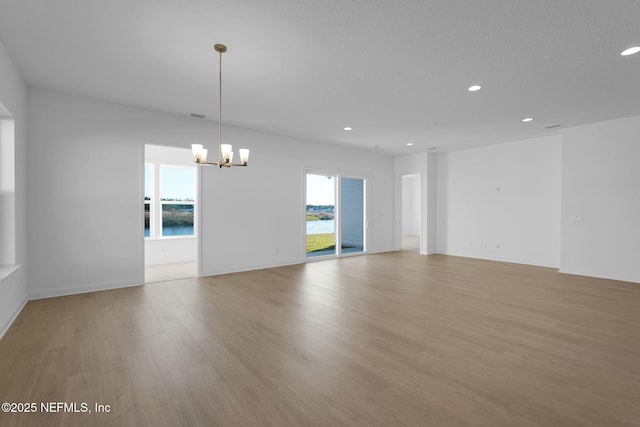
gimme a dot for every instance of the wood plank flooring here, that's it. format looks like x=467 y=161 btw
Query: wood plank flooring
x=394 y=339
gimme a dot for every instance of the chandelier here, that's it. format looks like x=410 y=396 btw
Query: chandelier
x=225 y=151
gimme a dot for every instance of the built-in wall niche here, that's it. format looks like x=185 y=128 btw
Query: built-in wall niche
x=7 y=190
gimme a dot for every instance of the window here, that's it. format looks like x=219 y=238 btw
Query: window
x=148 y=195
x=169 y=200
x=177 y=196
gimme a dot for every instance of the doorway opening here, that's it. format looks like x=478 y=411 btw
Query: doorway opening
x=335 y=212
x=411 y=213
x=170 y=209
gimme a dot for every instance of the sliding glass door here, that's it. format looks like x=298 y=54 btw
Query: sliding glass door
x=335 y=215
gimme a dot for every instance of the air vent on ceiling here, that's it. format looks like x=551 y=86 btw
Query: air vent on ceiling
x=432 y=148
x=197 y=116
x=557 y=125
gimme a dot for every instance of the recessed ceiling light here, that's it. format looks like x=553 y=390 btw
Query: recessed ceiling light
x=475 y=88
x=527 y=119
x=348 y=128
x=630 y=51
x=409 y=144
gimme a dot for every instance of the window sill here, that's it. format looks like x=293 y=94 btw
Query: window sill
x=168 y=238
x=7 y=270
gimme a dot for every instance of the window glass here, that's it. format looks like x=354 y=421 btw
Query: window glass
x=147 y=220
x=177 y=194
x=148 y=179
x=177 y=183
x=321 y=224
x=177 y=219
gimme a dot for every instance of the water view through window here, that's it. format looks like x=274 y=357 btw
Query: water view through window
x=169 y=200
x=177 y=195
x=177 y=220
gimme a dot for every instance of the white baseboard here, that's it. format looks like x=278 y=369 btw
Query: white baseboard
x=205 y=273
x=248 y=268
x=13 y=317
x=380 y=251
x=601 y=276
x=62 y=291
x=173 y=261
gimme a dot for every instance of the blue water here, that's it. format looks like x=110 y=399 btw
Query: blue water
x=172 y=231
x=177 y=231
x=321 y=227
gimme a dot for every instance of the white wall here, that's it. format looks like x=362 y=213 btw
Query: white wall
x=411 y=203
x=501 y=202
x=169 y=250
x=13 y=287
x=85 y=187
x=255 y=216
x=87 y=156
x=601 y=192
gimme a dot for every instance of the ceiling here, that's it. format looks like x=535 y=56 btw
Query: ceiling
x=395 y=71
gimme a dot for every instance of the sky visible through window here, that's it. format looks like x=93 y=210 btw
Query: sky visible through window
x=147 y=181
x=177 y=183
x=320 y=190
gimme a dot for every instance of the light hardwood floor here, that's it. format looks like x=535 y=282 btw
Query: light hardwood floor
x=379 y=340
